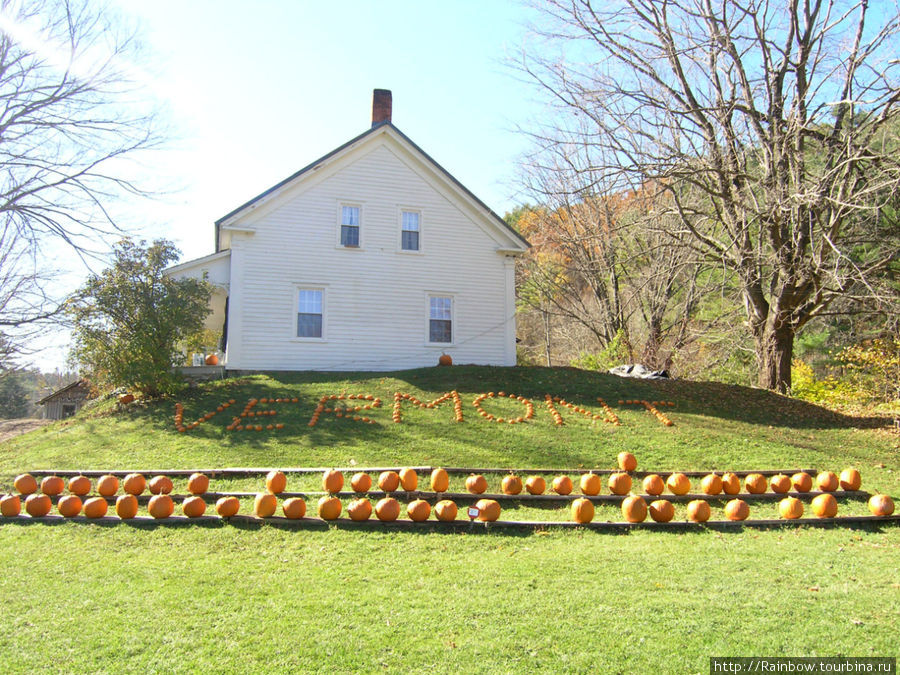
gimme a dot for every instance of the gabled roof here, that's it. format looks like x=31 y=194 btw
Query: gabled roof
x=196 y=262
x=74 y=385
x=487 y=211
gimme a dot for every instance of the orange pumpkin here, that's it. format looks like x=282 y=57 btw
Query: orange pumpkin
x=193 y=507
x=827 y=481
x=488 y=510
x=418 y=510
x=79 y=485
x=276 y=482
x=654 y=485
x=850 y=479
x=780 y=483
x=95 y=507
x=10 y=506
x=38 y=505
x=409 y=479
x=69 y=506
x=802 y=482
x=125 y=399
x=52 y=485
x=790 y=508
x=627 y=461
x=107 y=485
x=879 y=505
x=731 y=484
x=389 y=481
x=582 y=510
x=332 y=481
x=126 y=506
x=198 y=484
x=535 y=485
x=590 y=484
x=698 y=510
x=755 y=483
x=161 y=485
x=445 y=360
x=476 y=484
x=661 y=510
x=824 y=506
x=634 y=509
x=711 y=484
x=387 y=509
x=293 y=508
x=161 y=506
x=445 y=510
x=264 y=504
x=212 y=360
x=678 y=484
x=511 y=485
x=25 y=484
x=440 y=481
x=228 y=506
x=562 y=485
x=359 y=509
x=737 y=509
x=134 y=484
x=619 y=483
x=361 y=482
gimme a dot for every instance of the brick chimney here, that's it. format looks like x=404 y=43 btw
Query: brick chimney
x=381 y=106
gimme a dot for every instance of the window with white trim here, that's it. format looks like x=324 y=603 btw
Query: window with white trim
x=309 y=313
x=409 y=230
x=350 y=226
x=440 y=319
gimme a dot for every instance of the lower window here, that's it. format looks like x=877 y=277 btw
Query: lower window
x=309 y=313
x=440 y=319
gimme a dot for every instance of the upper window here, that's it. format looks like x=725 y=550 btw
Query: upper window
x=409 y=230
x=440 y=319
x=309 y=313
x=350 y=226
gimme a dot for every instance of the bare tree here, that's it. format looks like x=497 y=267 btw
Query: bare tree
x=601 y=258
x=771 y=127
x=70 y=114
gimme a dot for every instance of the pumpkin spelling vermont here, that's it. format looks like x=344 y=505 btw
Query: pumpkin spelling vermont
x=356 y=407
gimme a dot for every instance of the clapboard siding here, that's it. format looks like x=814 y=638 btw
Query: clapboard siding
x=376 y=297
x=376 y=307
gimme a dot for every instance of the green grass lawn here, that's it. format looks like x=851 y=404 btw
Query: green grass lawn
x=251 y=598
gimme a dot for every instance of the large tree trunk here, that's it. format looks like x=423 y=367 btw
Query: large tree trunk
x=773 y=335
x=774 y=352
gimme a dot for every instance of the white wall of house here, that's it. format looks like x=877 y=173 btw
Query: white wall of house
x=376 y=297
x=216 y=269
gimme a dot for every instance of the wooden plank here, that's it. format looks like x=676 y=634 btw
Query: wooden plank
x=460 y=524
x=555 y=498
x=261 y=471
x=400 y=495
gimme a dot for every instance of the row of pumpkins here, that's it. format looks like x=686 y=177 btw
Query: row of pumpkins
x=161 y=505
x=634 y=508
x=591 y=484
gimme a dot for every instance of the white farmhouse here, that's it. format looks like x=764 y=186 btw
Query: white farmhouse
x=373 y=257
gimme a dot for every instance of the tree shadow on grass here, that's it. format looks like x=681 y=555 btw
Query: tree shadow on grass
x=583 y=388
x=579 y=387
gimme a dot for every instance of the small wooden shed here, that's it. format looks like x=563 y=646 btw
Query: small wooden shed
x=67 y=401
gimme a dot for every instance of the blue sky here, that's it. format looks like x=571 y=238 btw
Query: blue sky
x=255 y=94
x=254 y=91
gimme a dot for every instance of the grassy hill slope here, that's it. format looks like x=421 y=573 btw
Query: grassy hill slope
x=257 y=597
